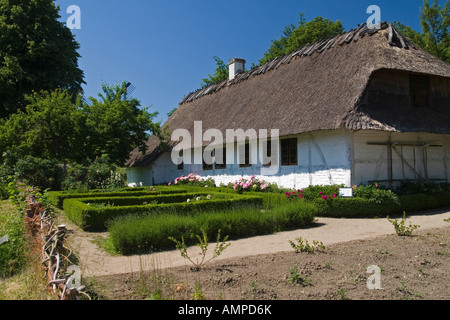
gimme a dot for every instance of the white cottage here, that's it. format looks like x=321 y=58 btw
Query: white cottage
x=361 y=107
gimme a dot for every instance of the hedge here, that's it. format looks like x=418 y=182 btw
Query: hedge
x=134 y=234
x=417 y=202
x=361 y=207
x=151 y=199
x=92 y=218
x=57 y=198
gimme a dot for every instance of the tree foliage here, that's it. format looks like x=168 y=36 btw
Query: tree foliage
x=222 y=73
x=37 y=52
x=306 y=33
x=117 y=124
x=435 y=22
x=53 y=127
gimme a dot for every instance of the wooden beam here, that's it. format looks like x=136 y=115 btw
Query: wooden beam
x=421 y=145
x=406 y=162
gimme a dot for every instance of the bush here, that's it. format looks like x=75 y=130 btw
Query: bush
x=375 y=193
x=95 y=218
x=57 y=198
x=193 y=180
x=354 y=207
x=12 y=253
x=40 y=173
x=4 y=194
x=416 y=202
x=253 y=184
x=132 y=235
x=421 y=187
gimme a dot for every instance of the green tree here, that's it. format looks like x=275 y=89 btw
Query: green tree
x=222 y=73
x=49 y=128
x=278 y=47
x=306 y=33
x=435 y=22
x=116 y=124
x=54 y=127
x=37 y=52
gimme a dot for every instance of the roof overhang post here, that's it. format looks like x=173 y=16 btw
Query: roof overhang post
x=235 y=66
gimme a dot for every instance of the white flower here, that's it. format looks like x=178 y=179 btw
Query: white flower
x=188 y=200
x=208 y=197
x=198 y=199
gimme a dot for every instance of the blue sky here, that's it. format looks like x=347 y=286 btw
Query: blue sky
x=164 y=48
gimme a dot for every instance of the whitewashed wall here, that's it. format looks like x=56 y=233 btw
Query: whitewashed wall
x=324 y=158
x=371 y=161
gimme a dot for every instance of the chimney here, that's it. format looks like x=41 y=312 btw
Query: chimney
x=236 y=66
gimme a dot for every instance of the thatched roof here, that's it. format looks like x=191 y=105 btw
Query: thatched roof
x=318 y=87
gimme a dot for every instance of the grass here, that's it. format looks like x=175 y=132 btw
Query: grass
x=20 y=271
x=12 y=253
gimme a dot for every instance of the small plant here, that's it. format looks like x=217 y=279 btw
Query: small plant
x=343 y=294
x=198 y=292
x=447 y=220
x=254 y=285
x=305 y=246
x=328 y=265
x=296 y=278
x=401 y=229
x=203 y=245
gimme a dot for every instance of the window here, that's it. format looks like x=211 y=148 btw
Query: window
x=419 y=87
x=267 y=153
x=289 y=152
x=207 y=166
x=244 y=156
x=223 y=164
x=181 y=164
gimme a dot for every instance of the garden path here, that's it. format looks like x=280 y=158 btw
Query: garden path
x=94 y=261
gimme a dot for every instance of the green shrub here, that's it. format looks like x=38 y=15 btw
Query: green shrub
x=361 y=207
x=421 y=187
x=39 y=173
x=416 y=202
x=153 y=199
x=354 y=207
x=134 y=234
x=57 y=198
x=12 y=252
x=4 y=194
x=96 y=218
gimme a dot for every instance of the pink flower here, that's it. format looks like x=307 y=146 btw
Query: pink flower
x=320 y=193
x=170 y=183
x=300 y=195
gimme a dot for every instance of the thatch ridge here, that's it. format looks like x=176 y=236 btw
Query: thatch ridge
x=395 y=39
x=317 y=87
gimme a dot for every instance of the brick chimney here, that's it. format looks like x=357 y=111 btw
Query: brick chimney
x=236 y=66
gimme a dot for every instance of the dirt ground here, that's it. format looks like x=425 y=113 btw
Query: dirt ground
x=415 y=267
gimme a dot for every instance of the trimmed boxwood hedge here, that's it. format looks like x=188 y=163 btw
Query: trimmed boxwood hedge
x=57 y=198
x=93 y=218
x=361 y=207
